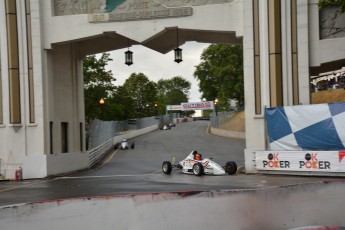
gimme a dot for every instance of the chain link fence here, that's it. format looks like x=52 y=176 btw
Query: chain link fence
x=100 y=131
x=219 y=119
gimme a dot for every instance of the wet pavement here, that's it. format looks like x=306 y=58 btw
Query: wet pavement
x=138 y=171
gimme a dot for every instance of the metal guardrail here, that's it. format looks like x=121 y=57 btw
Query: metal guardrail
x=98 y=153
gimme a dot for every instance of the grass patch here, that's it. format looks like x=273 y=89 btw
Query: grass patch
x=328 y=96
x=236 y=122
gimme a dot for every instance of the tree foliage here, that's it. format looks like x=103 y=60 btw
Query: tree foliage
x=172 y=92
x=143 y=93
x=220 y=73
x=137 y=97
x=329 y=3
x=98 y=83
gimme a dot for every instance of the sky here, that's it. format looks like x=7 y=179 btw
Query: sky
x=157 y=66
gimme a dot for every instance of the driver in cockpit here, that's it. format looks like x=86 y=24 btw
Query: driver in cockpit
x=197 y=156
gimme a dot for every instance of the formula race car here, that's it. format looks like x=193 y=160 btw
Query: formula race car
x=125 y=145
x=194 y=164
x=171 y=125
x=165 y=127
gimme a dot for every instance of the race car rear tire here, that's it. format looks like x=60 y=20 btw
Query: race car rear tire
x=231 y=167
x=133 y=146
x=166 y=167
x=198 y=169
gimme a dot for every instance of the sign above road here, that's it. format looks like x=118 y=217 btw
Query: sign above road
x=204 y=105
x=174 y=107
x=185 y=106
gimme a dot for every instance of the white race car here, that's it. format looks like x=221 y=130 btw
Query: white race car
x=124 y=145
x=165 y=127
x=194 y=164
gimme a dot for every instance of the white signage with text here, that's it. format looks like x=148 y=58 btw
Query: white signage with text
x=326 y=161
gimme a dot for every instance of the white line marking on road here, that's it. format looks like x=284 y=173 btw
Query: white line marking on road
x=26 y=185
x=109 y=176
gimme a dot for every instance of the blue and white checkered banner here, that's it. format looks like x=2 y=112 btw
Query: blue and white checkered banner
x=306 y=127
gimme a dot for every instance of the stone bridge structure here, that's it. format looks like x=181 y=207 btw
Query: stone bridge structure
x=43 y=44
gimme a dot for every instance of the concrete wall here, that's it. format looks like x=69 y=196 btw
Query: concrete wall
x=48 y=165
x=271 y=209
x=228 y=133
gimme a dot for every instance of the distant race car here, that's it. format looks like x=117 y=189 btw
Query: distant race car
x=194 y=164
x=125 y=145
x=171 y=125
x=165 y=127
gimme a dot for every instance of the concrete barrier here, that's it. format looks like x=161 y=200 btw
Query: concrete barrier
x=134 y=133
x=227 y=133
x=273 y=208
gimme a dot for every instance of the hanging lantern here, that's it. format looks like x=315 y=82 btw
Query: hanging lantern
x=129 y=57
x=178 y=55
x=178 y=51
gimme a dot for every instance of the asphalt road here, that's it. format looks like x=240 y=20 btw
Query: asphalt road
x=138 y=171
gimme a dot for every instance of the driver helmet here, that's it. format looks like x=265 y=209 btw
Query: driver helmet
x=124 y=140
x=198 y=156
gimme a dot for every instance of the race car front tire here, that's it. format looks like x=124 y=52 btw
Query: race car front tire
x=231 y=167
x=166 y=167
x=198 y=169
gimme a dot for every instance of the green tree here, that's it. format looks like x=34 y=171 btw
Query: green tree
x=220 y=74
x=328 y=3
x=143 y=93
x=172 y=92
x=98 y=83
x=121 y=105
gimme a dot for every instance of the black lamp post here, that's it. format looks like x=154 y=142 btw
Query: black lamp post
x=215 y=108
x=101 y=103
x=155 y=112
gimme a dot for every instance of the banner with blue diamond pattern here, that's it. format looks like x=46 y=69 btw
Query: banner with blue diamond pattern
x=306 y=127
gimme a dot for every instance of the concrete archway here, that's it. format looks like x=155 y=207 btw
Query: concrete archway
x=43 y=44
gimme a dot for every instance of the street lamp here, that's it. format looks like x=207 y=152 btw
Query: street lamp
x=155 y=109
x=215 y=105
x=178 y=51
x=215 y=108
x=128 y=56
x=101 y=103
